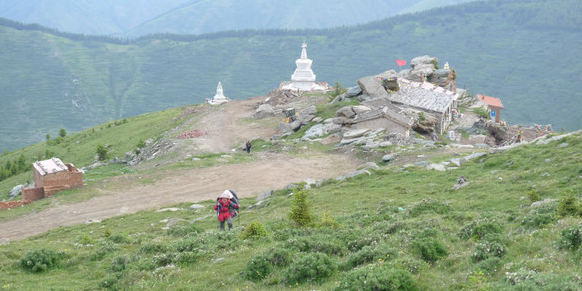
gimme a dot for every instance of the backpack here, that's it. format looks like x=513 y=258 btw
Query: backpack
x=234 y=199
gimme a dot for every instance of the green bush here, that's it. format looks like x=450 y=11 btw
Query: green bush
x=258 y=268
x=38 y=261
x=539 y=216
x=102 y=251
x=488 y=249
x=534 y=196
x=489 y=265
x=254 y=230
x=153 y=248
x=571 y=238
x=300 y=212
x=309 y=267
x=119 y=238
x=370 y=254
x=119 y=264
x=568 y=205
x=428 y=206
x=429 y=249
x=479 y=229
x=316 y=243
x=278 y=256
x=377 y=278
x=530 y=280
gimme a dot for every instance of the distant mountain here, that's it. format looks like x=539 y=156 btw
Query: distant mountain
x=130 y=18
x=103 y=17
x=524 y=52
x=197 y=17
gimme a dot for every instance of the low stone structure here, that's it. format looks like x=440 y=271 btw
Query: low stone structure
x=51 y=176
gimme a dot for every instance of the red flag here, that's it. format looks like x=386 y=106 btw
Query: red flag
x=401 y=62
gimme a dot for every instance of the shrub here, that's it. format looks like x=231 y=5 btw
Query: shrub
x=429 y=249
x=119 y=238
x=101 y=151
x=370 y=254
x=40 y=260
x=300 y=213
x=278 y=256
x=152 y=248
x=568 y=205
x=376 y=278
x=316 y=243
x=489 y=265
x=257 y=268
x=539 y=216
x=309 y=267
x=119 y=264
x=534 y=196
x=571 y=238
x=103 y=251
x=479 y=229
x=86 y=239
x=488 y=249
x=254 y=230
x=428 y=206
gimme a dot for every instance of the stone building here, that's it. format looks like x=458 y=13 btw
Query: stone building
x=51 y=176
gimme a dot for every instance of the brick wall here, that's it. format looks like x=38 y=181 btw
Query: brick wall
x=32 y=194
x=11 y=204
x=59 y=181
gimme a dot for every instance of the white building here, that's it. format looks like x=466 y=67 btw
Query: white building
x=303 y=79
x=219 y=98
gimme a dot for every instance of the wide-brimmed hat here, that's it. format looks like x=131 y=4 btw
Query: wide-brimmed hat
x=225 y=194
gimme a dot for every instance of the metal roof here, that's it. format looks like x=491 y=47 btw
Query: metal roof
x=53 y=165
x=491 y=101
x=423 y=96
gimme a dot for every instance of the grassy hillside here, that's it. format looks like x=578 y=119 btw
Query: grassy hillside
x=397 y=229
x=518 y=51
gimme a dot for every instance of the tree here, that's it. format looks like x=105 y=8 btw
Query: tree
x=48 y=137
x=300 y=212
x=101 y=152
x=62 y=132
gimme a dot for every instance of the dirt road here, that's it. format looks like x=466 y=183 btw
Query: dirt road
x=224 y=131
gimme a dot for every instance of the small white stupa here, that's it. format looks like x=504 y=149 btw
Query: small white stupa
x=219 y=98
x=303 y=79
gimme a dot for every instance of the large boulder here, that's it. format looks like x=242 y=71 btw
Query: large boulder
x=425 y=124
x=263 y=111
x=373 y=87
x=422 y=61
x=346 y=111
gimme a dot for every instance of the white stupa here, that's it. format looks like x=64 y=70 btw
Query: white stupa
x=303 y=79
x=219 y=98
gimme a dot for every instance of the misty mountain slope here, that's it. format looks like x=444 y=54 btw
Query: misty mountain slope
x=140 y=17
x=102 y=17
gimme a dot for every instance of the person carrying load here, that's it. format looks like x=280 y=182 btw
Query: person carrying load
x=224 y=206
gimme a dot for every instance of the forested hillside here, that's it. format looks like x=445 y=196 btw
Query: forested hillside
x=524 y=52
x=197 y=17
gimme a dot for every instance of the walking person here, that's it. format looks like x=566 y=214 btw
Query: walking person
x=223 y=208
x=248 y=146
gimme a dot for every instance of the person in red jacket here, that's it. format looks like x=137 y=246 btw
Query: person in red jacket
x=223 y=207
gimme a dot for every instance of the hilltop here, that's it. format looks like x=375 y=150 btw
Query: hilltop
x=58 y=80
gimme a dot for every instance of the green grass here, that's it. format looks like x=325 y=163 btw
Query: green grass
x=404 y=210
x=119 y=137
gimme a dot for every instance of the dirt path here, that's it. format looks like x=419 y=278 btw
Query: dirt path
x=224 y=131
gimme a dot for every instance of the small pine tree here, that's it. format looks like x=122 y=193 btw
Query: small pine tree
x=300 y=213
x=101 y=152
x=568 y=205
x=62 y=132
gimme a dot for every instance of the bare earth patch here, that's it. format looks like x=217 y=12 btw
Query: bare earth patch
x=226 y=127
